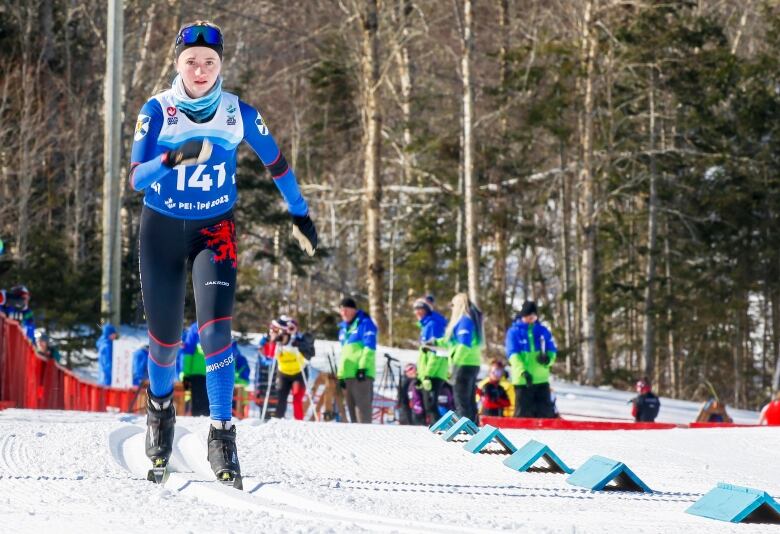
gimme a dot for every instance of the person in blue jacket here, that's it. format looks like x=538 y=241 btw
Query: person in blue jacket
x=15 y=304
x=432 y=369
x=184 y=160
x=531 y=351
x=105 y=347
x=242 y=366
x=357 y=367
x=140 y=365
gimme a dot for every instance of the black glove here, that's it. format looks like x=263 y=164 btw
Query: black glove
x=361 y=375
x=306 y=234
x=190 y=153
x=342 y=383
x=528 y=378
x=186 y=384
x=543 y=358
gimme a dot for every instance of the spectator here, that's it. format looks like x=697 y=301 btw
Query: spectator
x=646 y=404
x=194 y=371
x=463 y=336
x=46 y=349
x=531 y=352
x=357 y=336
x=770 y=414
x=413 y=396
x=431 y=367
x=290 y=367
x=141 y=365
x=713 y=411
x=242 y=366
x=495 y=391
x=15 y=304
x=105 y=347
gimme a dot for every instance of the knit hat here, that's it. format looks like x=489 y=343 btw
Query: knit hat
x=422 y=304
x=347 y=302
x=529 y=308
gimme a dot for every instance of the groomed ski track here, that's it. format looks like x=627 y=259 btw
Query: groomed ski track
x=81 y=472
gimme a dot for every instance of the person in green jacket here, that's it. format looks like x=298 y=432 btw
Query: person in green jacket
x=194 y=371
x=432 y=369
x=531 y=351
x=357 y=336
x=464 y=339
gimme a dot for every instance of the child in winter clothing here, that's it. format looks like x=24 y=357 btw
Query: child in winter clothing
x=414 y=395
x=495 y=391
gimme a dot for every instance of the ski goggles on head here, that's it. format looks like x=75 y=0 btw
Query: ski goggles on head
x=199 y=34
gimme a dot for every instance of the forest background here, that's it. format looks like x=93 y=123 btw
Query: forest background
x=616 y=161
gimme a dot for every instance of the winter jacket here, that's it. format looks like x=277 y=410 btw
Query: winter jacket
x=289 y=359
x=358 y=346
x=105 y=347
x=190 y=339
x=645 y=408
x=242 y=366
x=414 y=397
x=140 y=365
x=25 y=317
x=771 y=413
x=464 y=344
x=499 y=394
x=429 y=363
x=524 y=344
x=194 y=364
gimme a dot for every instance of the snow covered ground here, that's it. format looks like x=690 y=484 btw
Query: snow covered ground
x=85 y=472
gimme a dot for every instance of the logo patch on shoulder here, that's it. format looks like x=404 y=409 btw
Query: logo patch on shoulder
x=171 y=111
x=261 y=127
x=231 y=109
x=141 y=126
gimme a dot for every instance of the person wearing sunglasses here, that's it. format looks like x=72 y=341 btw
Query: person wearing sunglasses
x=184 y=160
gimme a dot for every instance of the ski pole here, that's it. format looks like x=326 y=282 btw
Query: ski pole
x=268 y=389
x=308 y=391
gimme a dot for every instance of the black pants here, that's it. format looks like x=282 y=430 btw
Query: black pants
x=167 y=247
x=534 y=401
x=284 y=383
x=199 y=398
x=404 y=410
x=431 y=400
x=465 y=389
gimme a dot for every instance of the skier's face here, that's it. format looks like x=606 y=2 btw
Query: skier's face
x=529 y=319
x=199 y=68
x=420 y=313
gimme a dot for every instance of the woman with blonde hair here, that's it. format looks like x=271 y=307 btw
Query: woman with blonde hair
x=463 y=336
x=184 y=160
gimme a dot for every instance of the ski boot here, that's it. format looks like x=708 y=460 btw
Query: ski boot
x=222 y=454
x=160 y=421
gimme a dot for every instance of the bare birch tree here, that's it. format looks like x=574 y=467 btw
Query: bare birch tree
x=372 y=141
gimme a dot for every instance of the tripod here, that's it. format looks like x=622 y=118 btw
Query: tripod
x=389 y=381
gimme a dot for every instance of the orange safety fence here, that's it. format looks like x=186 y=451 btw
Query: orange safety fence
x=28 y=380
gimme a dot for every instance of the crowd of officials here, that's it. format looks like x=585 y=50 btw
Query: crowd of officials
x=444 y=377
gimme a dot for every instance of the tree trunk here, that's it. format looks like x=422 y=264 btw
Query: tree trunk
x=501 y=220
x=587 y=200
x=648 y=349
x=775 y=305
x=469 y=179
x=673 y=372
x=372 y=164
x=405 y=77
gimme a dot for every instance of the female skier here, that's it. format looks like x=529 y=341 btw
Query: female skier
x=184 y=160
